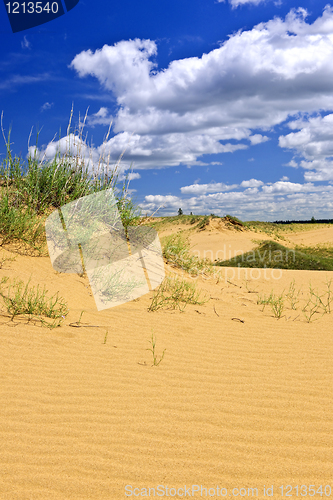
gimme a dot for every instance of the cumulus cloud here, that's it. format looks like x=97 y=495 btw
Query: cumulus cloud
x=280 y=200
x=258 y=139
x=102 y=117
x=213 y=187
x=253 y=81
x=251 y=183
x=314 y=142
x=224 y=101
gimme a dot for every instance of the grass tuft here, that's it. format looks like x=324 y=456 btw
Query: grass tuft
x=20 y=299
x=174 y=293
x=176 y=250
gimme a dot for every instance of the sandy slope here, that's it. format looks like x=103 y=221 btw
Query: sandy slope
x=319 y=236
x=233 y=404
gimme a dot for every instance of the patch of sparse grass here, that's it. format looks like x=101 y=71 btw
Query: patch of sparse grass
x=176 y=250
x=175 y=293
x=316 y=303
x=203 y=222
x=33 y=303
x=275 y=301
x=234 y=222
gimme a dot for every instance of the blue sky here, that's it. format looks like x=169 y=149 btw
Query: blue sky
x=222 y=106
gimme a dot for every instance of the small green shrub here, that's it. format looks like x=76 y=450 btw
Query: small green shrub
x=20 y=299
x=176 y=250
x=174 y=293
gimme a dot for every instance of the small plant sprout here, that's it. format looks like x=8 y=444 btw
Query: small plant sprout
x=264 y=301
x=79 y=322
x=292 y=295
x=312 y=307
x=152 y=350
x=277 y=304
x=326 y=299
x=106 y=336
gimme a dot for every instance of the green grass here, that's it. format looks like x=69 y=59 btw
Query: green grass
x=33 y=303
x=311 y=306
x=152 y=349
x=270 y=254
x=196 y=221
x=175 y=293
x=30 y=190
x=176 y=250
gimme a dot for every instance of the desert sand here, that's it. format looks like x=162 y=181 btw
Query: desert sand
x=241 y=399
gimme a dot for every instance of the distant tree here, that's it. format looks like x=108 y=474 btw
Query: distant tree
x=191 y=213
x=313 y=219
x=180 y=212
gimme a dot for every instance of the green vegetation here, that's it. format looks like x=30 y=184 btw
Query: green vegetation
x=270 y=254
x=176 y=250
x=20 y=299
x=30 y=190
x=314 y=304
x=275 y=301
x=175 y=293
x=152 y=350
x=196 y=221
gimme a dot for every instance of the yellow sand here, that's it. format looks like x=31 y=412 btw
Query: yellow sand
x=240 y=400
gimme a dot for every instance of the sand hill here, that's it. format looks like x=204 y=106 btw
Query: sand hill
x=241 y=399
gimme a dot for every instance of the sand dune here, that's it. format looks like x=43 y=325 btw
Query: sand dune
x=240 y=400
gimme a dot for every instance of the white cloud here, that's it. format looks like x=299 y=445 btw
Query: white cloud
x=251 y=183
x=292 y=163
x=258 y=139
x=282 y=187
x=224 y=101
x=284 y=178
x=237 y=3
x=25 y=44
x=46 y=106
x=213 y=187
x=314 y=142
x=102 y=117
x=253 y=81
x=281 y=200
